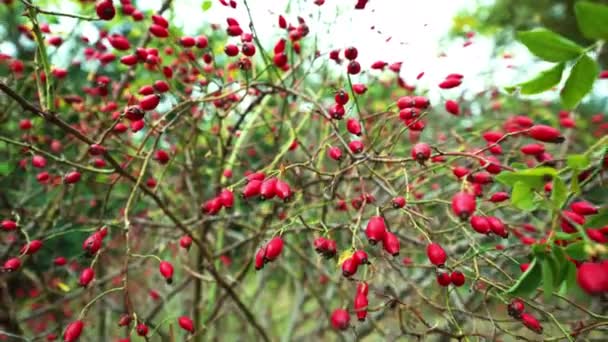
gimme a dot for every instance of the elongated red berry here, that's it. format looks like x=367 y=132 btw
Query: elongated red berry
x=92 y=244
x=142 y=329
x=8 y=225
x=450 y=83
x=166 y=270
x=569 y=218
x=86 y=276
x=531 y=323
x=436 y=254
x=360 y=306
x=546 y=134
x=12 y=264
x=391 y=243
x=274 y=248
x=533 y=149
x=73 y=331
x=186 y=323
x=71 y=177
x=480 y=224
x=283 y=190
x=31 y=248
x=359 y=88
x=149 y=102
x=463 y=205
x=349 y=267
x=376 y=229
x=498 y=197
x=340 y=319
x=497 y=226
x=252 y=188
x=452 y=107
x=159 y=31
x=259 y=258
x=269 y=188
x=226 y=198
x=353 y=126
x=584 y=208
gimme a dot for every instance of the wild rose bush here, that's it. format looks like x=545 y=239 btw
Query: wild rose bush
x=195 y=187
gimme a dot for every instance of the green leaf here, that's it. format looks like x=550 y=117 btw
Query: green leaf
x=5 y=168
x=523 y=196
x=579 y=82
x=598 y=220
x=574 y=185
x=566 y=236
x=548 y=277
x=528 y=282
x=577 y=251
x=543 y=81
x=592 y=19
x=206 y=5
x=534 y=178
x=578 y=161
x=549 y=46
x=559 y=263
x=559 y=193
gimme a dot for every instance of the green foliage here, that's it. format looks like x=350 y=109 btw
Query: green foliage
x=528 y=281
x=579 y=82
x=549 y=46
x=592 y=19
x=543 y=81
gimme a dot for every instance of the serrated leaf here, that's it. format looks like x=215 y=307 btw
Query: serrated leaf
x=559 y=192
x=522 y=196
x=206 y=5
x=578 y=161
x=598 y=220
x=549 y=45
x=591 y=19
x=547 y=276
x=545 y=80
x=579 y=82
x=527 y=282
x=577 y=251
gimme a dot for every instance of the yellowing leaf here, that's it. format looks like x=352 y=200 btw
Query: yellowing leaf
x=63 y=287
x=344 y=255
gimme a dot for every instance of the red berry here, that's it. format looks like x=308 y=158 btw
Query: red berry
x=516 y=308
x=73 y=331
x=362 y=288
x=360 y=305
x=457 y=278
x=259 y=258
x=274 y=248
x=349 y=267
x=125 y=320
x=11 y=264
x=283 y=190
x=160 y=20
x=533 y=149
x=185 y=242
x=119 y=42
x=187 y=41
x=269 y=188
x=340 y=319
x=452 y=107
x=546 y=134
x=71 y=177
x=38 y=161
x=32 y=247
x=376 y=229
x=450 y=83
x=142 y=329
x=498 y=197
x=592 y=277
x=584 y=208
x=436 y=254
x=356 y=146
x=443 y=279
x=571 y=216
x=60 y=261
x=161 y=156
x=497 y=226
x=186 y=323
x=166 y=270
x=86 y=276
x=351 y=53
x=398 y=202
x=421 y=152
x=8 y=225
x=531 y=323
x=149 y=102
x=159 y=31
x=341 y=97
x=252 y=188
x=226 y=198
x=353 y=126
x=334 y=153
x=463 y=205
x=391 y=243
x=480 y=224
x=248 y=49
x=354 y=67
x=105 y=9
